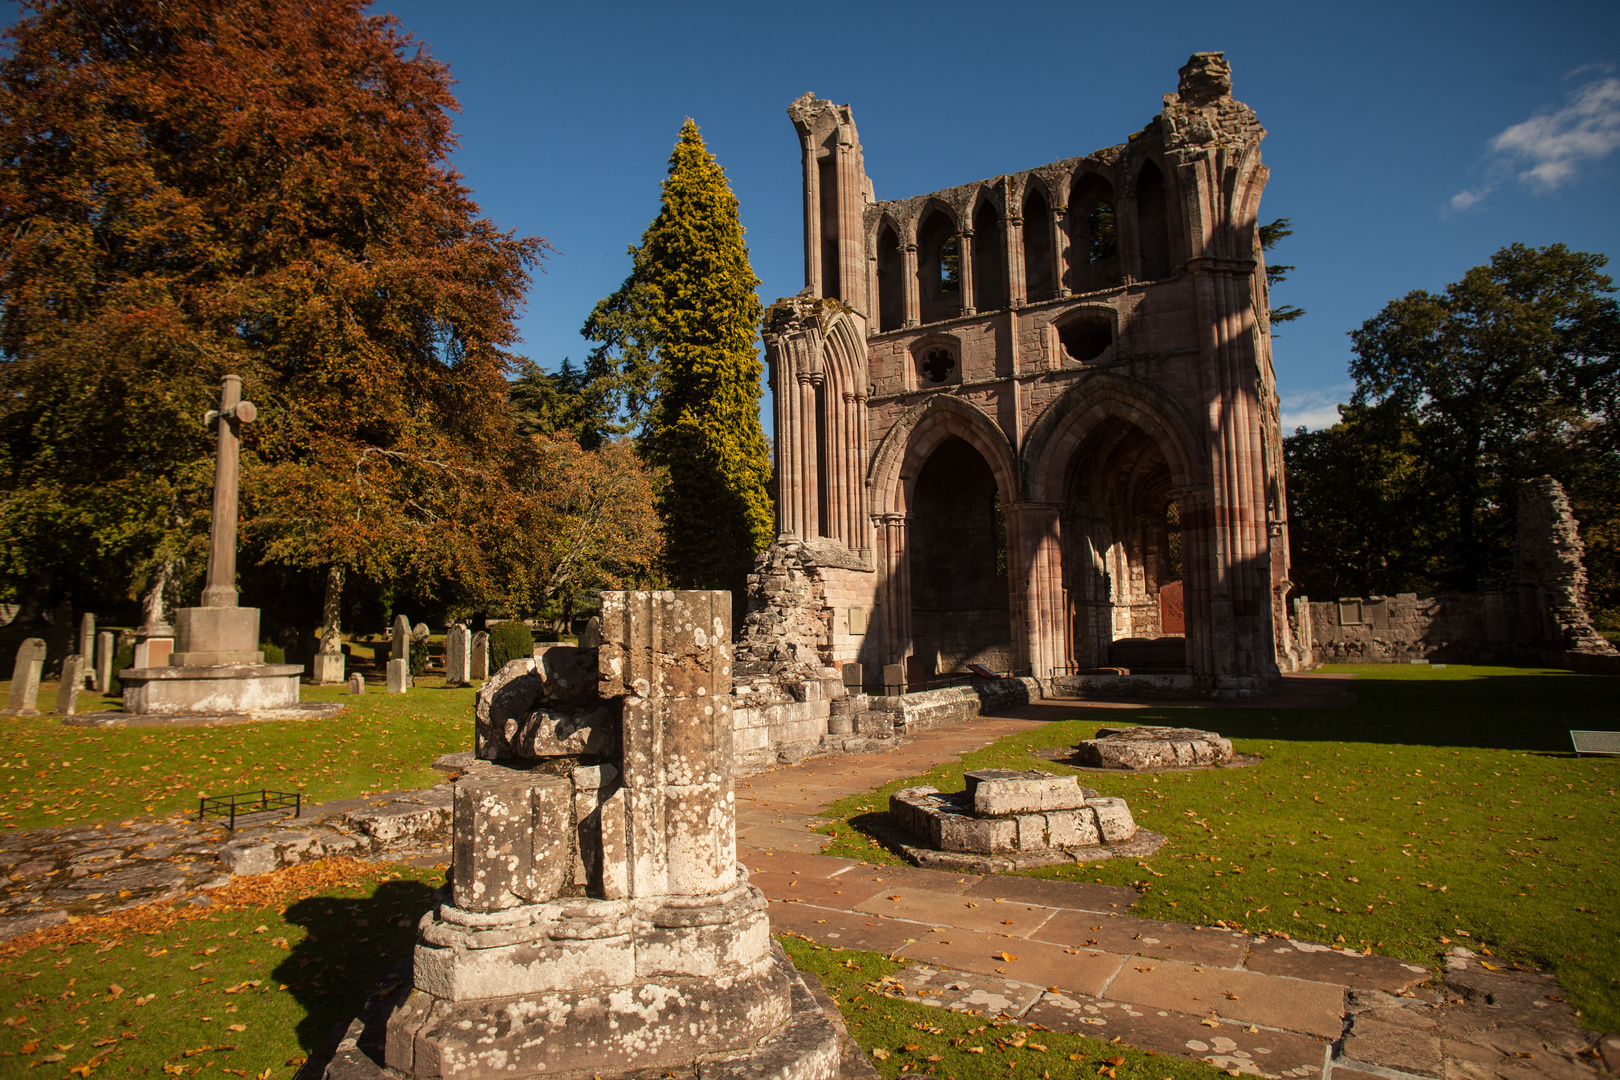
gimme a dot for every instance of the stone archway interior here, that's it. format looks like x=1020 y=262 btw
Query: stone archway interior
x=959 y=606
x=1121 y=549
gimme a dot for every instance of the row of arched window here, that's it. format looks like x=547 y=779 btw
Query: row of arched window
x=1091 y=258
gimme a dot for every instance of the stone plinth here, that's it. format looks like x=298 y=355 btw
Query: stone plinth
x=209 y=636
x=1153 y=748
x=1009 y=820
x=214 y=689
x=329 y=668
x=596 y=919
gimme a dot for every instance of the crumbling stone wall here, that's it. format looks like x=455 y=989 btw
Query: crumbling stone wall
x=1540 y=618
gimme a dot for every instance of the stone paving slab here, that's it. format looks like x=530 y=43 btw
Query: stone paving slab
x=1251 y=1050
x=794 y=862
x=1291 y=1004
x=843 y=928
x=771 y=836
x=944 y=909
x=893 y=877
x=1063 y=894
x=966 y=992
x=1323 y=963
x=1148 y=937
x=1036 y=962
x=826 y=892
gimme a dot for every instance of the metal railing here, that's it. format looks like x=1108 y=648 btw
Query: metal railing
x=248 y=802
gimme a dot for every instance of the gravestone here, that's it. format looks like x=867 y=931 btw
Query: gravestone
x=87 y=649
x=419 y=643
x=24 y=697
x=458 y=656
x=596 y=921
x=894 y=680
x=399 y=657
x=330 y=662
x=67 y=694
x=478 y=667
x=357 y=683
x=106 y=644
x=591 y=636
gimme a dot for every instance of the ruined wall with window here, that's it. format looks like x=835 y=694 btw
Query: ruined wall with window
x=1038 y=410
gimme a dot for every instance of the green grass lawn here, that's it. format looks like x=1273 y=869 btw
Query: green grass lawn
x=1443 y=807
x=249 y=986
x=54 y=774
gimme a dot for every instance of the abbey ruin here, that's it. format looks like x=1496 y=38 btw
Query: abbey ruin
x=1030 y=422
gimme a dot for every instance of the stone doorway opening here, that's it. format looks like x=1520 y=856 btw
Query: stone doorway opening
x=1122 y=555
x=958 y=565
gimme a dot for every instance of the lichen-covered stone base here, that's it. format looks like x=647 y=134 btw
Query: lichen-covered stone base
x=1153 y=748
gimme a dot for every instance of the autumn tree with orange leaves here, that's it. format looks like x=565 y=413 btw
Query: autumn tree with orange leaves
x=262 y=187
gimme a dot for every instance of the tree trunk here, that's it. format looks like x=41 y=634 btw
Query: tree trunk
x=332 y=611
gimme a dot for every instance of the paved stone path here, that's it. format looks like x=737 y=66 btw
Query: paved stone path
x=1081 y=962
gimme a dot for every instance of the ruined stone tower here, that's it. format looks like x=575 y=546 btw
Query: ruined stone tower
x=1024 y=406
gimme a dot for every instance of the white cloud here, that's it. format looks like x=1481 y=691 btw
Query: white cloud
x=1547 y=151
x=1314 y=409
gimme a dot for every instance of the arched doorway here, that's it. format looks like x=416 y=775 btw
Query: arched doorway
x=958 y=564
x=1121 y=551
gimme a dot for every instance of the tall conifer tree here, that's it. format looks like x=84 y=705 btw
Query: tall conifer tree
x=684 y=322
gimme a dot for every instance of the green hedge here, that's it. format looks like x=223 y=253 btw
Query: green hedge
x=509 y=641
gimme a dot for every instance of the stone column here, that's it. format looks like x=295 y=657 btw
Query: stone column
x=221 y=588
x=970 y=300
x=908 y=270
x=24 y=696
x=812 y=217
x=1060 y=249
x=1017 y=287
x=1040 y=568
x=896 y=586
x=809 y=458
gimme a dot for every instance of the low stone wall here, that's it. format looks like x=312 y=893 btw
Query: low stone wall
x=953 y=704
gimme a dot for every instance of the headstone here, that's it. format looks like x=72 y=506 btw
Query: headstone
x=458 y=656
x=106 y=643
x=357 y=683
x=328 y=668
x=591 y=636
x=399 y=647
x=67 y=694
x=399 y=676
x=894 y=679
x=87 y=648
x=852 y=677
x=24 y=697
x=478 y=668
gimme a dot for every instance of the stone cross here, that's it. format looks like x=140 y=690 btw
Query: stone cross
x=220 y=590
x=24 y=697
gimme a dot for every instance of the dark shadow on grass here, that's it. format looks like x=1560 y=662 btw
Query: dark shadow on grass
x=349 y=944
x=1533 y=712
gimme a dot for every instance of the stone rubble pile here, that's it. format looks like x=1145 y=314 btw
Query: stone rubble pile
x=1139 y=748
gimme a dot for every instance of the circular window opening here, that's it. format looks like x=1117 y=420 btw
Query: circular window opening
x=1087 y=339
x=938 y=364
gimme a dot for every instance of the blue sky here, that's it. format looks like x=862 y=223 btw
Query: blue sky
x=1379 y=117
x=1407 y=142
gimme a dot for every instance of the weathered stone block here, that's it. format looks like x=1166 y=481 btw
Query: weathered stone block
x=1010 y=791
x=564 y=731
x=512 y=693
x=1114 y=819
x=983 y=836
x=328 y=668
x=514 y=833
x=1072 y=828
x=1031 y=832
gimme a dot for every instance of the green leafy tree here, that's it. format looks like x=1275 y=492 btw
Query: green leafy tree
x=1461 y=396
x=684 y=325
x=1277 y=273
x=254 y=186
x=581 y=401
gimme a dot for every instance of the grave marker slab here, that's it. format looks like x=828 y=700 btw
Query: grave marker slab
x=478 y=667
x=87 y=647
x=458 y=656
x=1596 y=742
x=67 y=694
x=24 y=697
x=105 y=646
x=357 y=683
